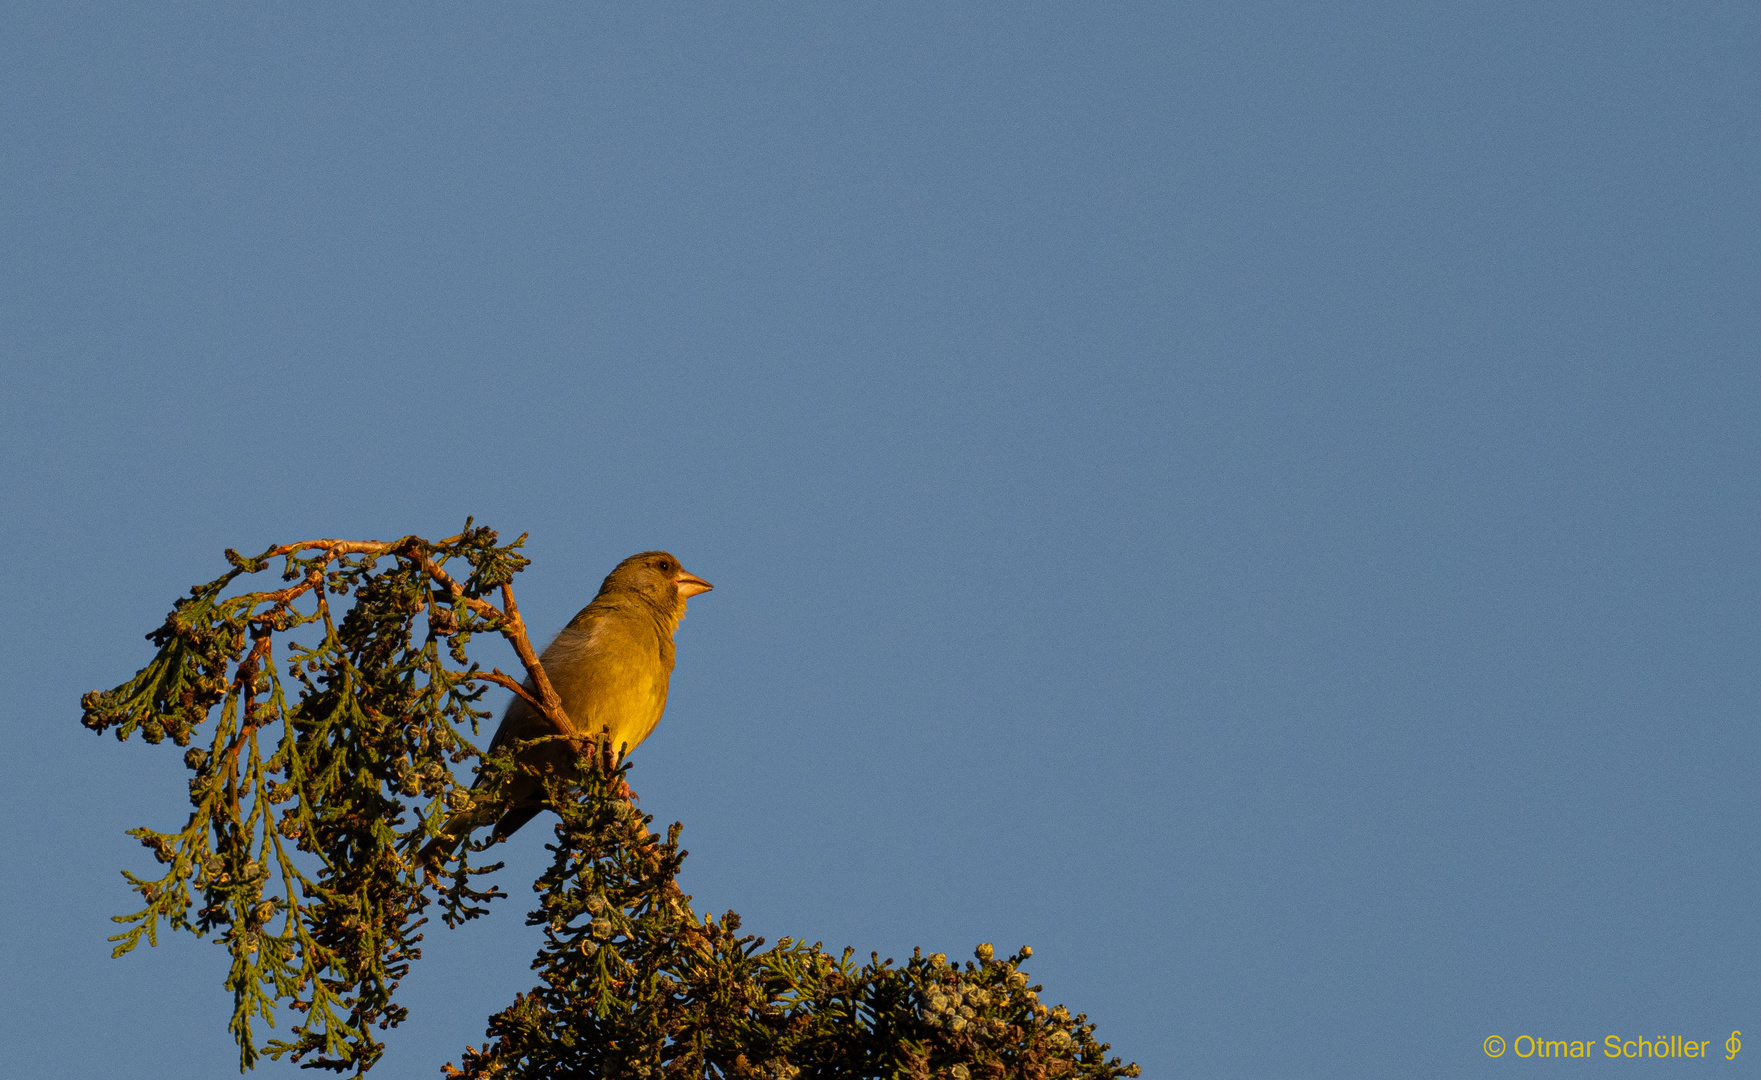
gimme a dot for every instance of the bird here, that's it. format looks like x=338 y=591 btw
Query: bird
x=610 y=666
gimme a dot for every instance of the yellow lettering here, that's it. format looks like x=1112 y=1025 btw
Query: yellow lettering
x=1553 y=1049
x=1613 y=1047
x=1518 y=1046
x=1579 y=1049
x=1703 y=1047
x=1626 y=1048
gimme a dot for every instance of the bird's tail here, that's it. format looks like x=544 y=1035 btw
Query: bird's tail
x=459 y=826
x=437 y=851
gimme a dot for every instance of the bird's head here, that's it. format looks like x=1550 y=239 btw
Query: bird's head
x=660 y=577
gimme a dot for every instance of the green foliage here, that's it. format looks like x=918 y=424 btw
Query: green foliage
x=308 y=811
x=355 y=774
x=634 y=984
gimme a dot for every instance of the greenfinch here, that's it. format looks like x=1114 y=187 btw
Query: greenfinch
x=610 y=666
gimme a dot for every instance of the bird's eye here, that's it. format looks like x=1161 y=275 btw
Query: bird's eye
x=666 y=567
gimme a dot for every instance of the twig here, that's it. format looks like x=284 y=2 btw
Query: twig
x=501 y=678
x=515 y=631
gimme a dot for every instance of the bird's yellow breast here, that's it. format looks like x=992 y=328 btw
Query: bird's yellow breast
x=612 y=674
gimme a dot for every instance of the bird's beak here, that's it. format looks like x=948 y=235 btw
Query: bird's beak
x=690 y=584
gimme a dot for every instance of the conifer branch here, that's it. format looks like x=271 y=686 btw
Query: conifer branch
x=335 y=787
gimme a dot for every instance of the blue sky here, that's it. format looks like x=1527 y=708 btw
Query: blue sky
x=1258 y=502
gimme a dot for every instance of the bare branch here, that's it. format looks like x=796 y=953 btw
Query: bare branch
x=501 y=678
x=514 y=629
